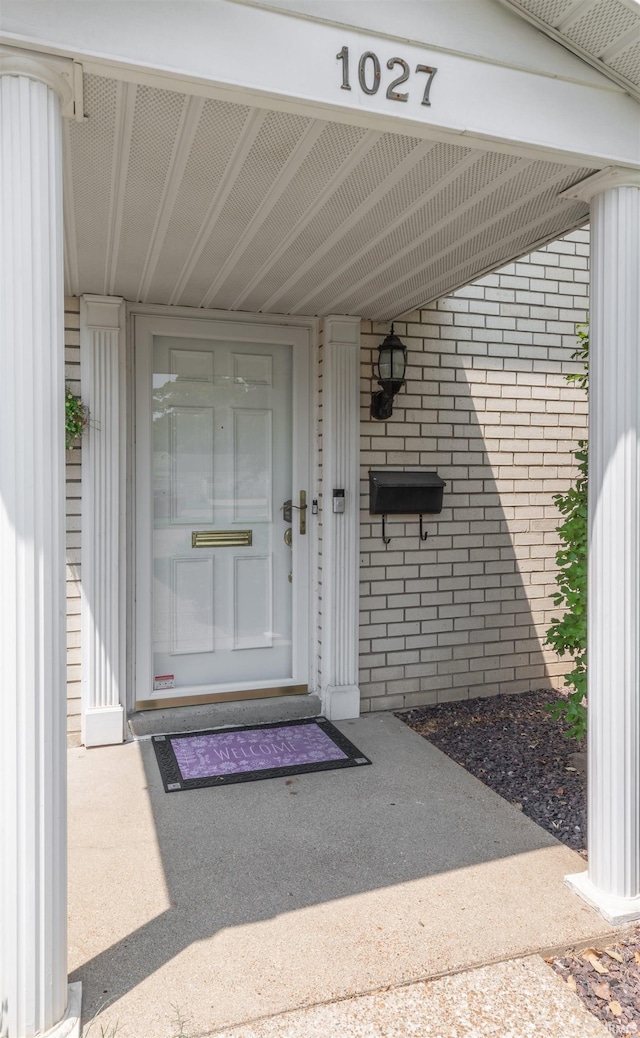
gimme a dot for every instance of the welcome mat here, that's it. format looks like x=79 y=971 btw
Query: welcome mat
x=192 y=760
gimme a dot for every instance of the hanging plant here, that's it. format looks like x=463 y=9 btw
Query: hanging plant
x=76 y=417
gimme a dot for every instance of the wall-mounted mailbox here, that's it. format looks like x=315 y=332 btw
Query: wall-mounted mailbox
x=405 y=493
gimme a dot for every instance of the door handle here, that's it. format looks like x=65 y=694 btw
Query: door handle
x=287 y=511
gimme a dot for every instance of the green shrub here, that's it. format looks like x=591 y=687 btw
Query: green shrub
x=568 y=634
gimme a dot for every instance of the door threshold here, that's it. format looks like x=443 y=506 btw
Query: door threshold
x=204 y=716
x=237 y=695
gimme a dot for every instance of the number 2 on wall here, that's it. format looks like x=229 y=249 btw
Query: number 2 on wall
x=369 y=75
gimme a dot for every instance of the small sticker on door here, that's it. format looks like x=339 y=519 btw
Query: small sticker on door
x=163 y=681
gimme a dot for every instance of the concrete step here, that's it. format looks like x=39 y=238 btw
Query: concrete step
x=144 y=723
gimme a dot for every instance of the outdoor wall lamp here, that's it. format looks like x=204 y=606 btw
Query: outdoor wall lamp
x=391 y=366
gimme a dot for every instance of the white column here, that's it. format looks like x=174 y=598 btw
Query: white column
x=340 y=530
x=612 y=883
x=33 y=879
x=103 y=520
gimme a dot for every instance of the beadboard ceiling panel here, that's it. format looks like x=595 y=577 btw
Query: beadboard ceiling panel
x=174 y=199
x=606 y=33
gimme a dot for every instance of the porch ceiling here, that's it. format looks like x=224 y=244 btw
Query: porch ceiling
x=179 y=199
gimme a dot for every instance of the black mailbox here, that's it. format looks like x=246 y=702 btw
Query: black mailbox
x=405 y=493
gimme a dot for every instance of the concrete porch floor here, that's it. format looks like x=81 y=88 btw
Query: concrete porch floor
x=229 y=905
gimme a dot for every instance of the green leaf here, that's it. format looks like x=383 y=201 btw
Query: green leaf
x=76 y=417
x=567 y=634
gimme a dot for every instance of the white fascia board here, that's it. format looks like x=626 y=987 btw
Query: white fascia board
x=257 y=56
x=484 y=28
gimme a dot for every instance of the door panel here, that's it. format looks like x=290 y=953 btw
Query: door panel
x=221 y=418
x=252 y=597
x=190 y=463
x=216 y=412
x=192 y=591
x=252 y=465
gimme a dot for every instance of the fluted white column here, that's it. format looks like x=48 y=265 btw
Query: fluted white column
x=340 y=531
x=103 y=529
x=612 y=883
x=33 y=878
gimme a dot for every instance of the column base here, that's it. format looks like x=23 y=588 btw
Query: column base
x=103 y=726
x=616 y=910
x=341 y=702
x=69 y=1026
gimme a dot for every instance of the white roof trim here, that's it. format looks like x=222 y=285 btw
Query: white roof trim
x=600 y=60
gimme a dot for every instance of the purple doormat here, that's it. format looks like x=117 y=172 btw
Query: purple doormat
x=217 y=758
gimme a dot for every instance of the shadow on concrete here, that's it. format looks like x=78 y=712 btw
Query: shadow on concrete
x=281 y=894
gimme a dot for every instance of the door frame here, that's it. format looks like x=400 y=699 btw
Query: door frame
x=302 y=335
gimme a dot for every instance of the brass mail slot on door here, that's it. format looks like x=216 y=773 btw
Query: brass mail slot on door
x=221 y=538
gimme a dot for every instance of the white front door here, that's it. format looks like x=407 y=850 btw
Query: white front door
x=221 y=461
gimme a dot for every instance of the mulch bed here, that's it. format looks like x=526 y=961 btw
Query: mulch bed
x=517 y=748
x=608 y=982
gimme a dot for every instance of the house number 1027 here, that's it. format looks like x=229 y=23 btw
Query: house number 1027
x=369 y=75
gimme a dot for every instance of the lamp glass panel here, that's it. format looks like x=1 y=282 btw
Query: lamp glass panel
x=385 y=363
x=398 y=364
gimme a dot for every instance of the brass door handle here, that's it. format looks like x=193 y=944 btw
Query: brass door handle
x=287 y=511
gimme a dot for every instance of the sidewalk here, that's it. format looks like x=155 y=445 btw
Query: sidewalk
x=520 y=998
x=249 y=901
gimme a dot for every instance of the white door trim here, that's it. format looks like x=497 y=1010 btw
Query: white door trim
x=145 y=321
x=103 y=561
x=340 y=530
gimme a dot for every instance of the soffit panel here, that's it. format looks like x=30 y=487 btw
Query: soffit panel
x=201 y=182
x=90 y=147
x=157 y=120
x=274 y=137
x=605 y=32
x=191 y=201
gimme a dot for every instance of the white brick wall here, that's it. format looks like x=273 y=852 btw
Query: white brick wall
x=487 y=405
x=74 y=470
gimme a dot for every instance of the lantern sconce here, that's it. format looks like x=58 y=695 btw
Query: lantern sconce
x=391 y=367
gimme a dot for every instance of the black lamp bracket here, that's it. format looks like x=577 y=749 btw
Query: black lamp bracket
x=381 y=405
